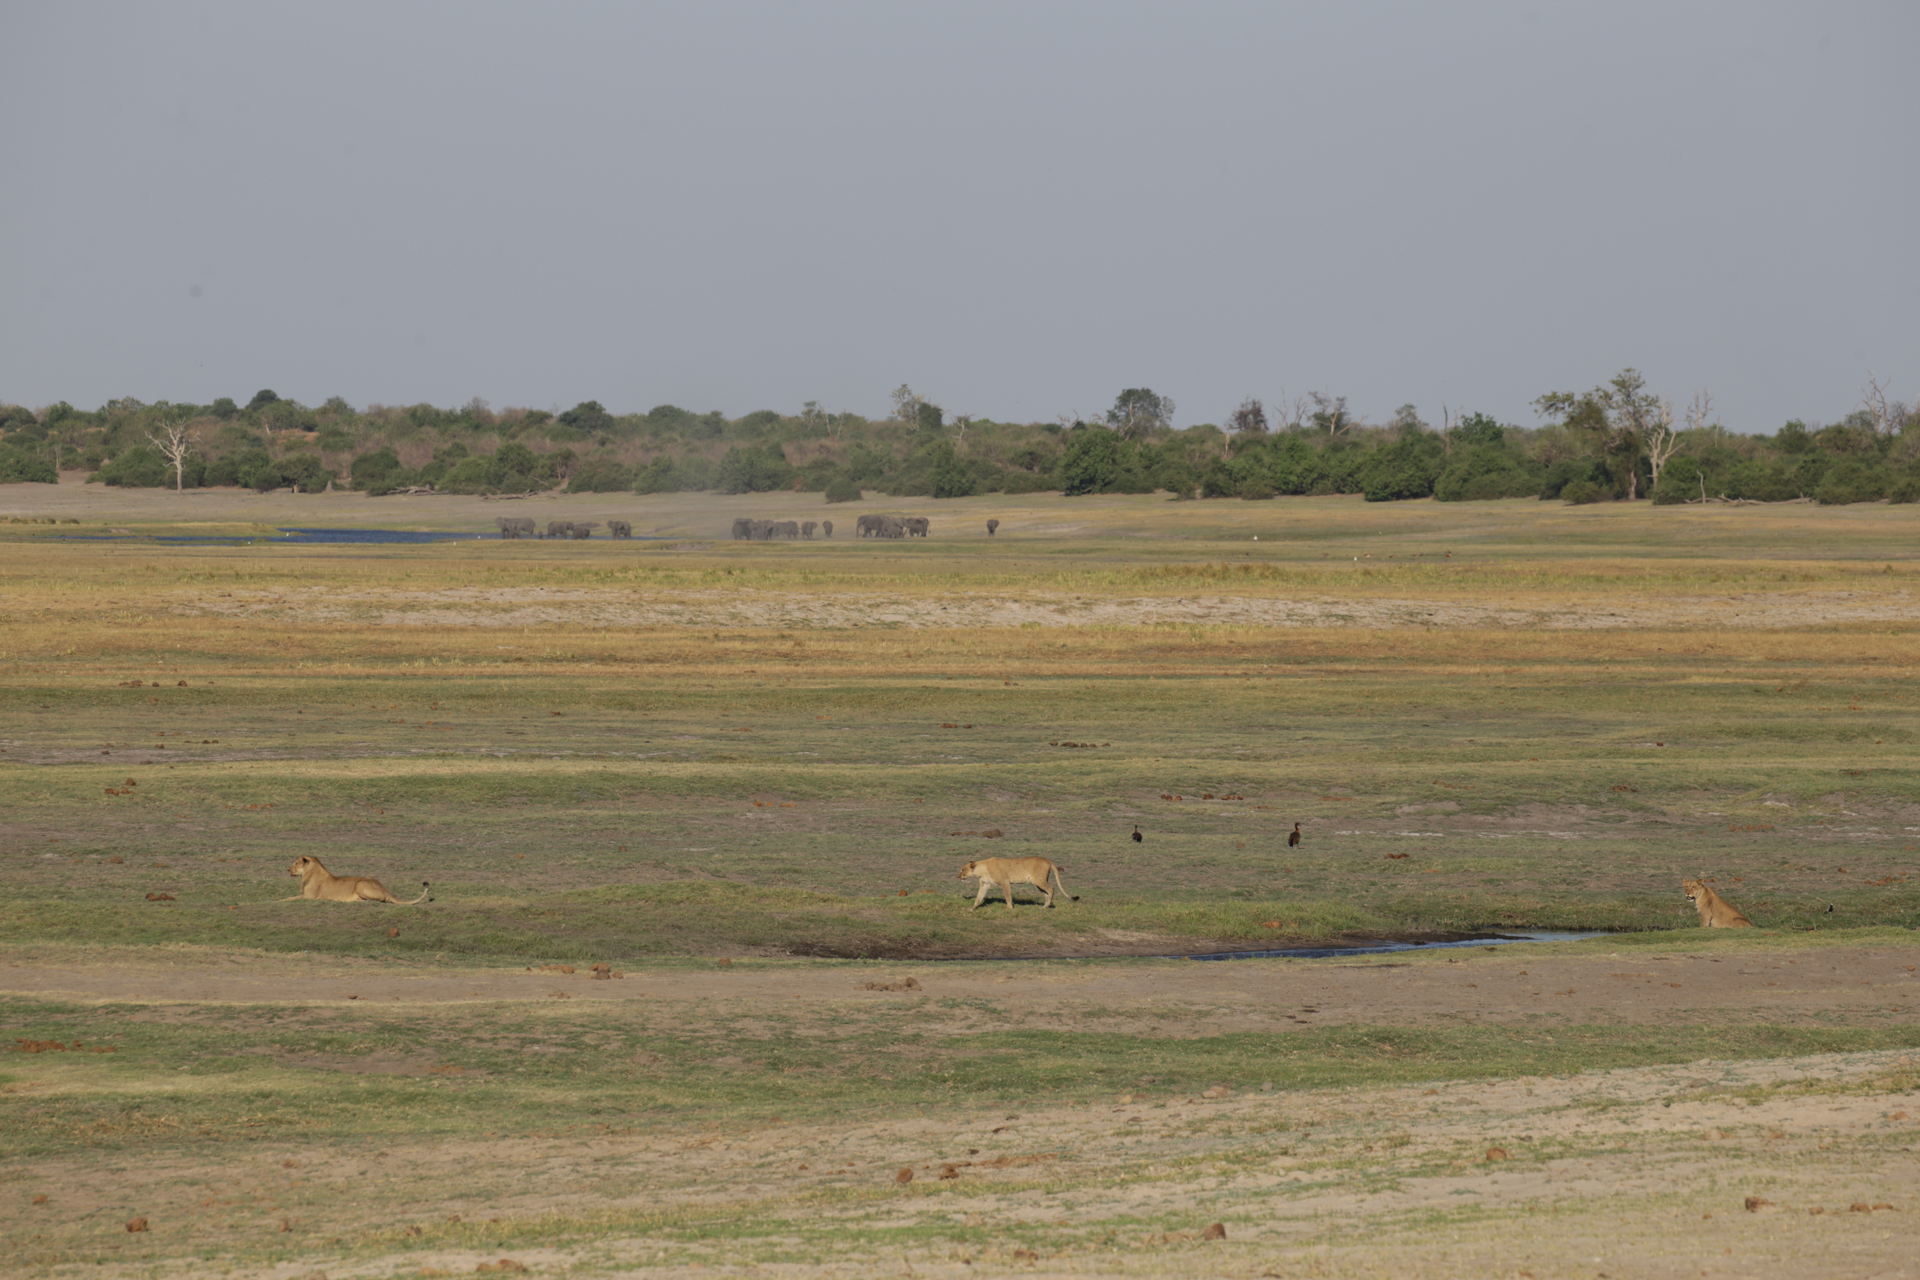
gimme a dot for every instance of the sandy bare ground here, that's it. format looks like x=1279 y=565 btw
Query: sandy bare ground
x=1454 y=1179
x=1641 y=1172
x=747 y=607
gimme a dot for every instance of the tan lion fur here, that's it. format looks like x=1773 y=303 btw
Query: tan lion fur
x=1008 y=872
x=317 y=882
x=1715 y=911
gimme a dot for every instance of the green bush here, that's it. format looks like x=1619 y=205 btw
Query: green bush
x=1583 y=492
x=140 y=467
x=18 y=466
x=1091 y=463
x=1413 y=481
x=469 y=475
x=843 y=489
x=1484 y=472
x=236 y=468
x=1850 y=481
x=372 y=469
x=302 y=472
x=1568 y=470
x=1681 y=480
x=1018 y=482
x=1257 y=491
x=600 y=475
x=755 y=469
x=950 y=476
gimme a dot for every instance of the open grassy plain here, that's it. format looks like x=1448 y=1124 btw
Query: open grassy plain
x=681 y=751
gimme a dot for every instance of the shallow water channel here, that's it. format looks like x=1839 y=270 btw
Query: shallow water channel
x=1387 y=947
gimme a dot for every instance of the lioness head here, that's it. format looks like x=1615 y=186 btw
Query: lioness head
x=1693 y=889
x=967 y=872
x=299 y=868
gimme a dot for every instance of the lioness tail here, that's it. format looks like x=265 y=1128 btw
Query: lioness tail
x=425 y=896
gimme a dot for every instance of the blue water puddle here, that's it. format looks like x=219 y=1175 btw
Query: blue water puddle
x=303 y=537
x=1391 y=948
x=375 y=536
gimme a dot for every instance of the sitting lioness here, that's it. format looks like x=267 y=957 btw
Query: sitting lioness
x=1715 y=911
x=317 y=882
x=1008 y=872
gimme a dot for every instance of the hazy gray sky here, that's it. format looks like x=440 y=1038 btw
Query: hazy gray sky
x=1018 y=208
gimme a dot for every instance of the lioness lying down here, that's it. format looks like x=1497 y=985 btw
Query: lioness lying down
x=317 y=882
x=1715 y=911
x=1008 y=872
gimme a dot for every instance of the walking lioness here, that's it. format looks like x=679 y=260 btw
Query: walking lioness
x=1008 y=872
x=1715 y=911
x=317 y=882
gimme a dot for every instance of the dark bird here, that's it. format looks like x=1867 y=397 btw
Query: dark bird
x=1137 y=837
x=1293 y=837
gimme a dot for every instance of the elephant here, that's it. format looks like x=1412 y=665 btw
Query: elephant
x=826 y=527
x=559 y=528
x=991 y=526
x=789 y=528
x=868 y=526
x=806 y=529
x=760 y=530
x=917 y=526
x=742 y=529
x=620 y=528
x=583 y=529
x=514 y=526
x=892 y=527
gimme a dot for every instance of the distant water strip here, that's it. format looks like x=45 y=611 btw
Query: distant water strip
x=309 y=537
x=1391 y=948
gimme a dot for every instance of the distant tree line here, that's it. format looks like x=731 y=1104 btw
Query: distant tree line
x=1618 y=441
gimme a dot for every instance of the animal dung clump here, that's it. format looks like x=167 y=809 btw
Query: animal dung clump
x=1215 y=1231
x=726 y=962
x=393 y=933
x=603 y=972
x=137 y=1224
x=159 y=897
x=505 y=1265
x=1496 y=1153
x=907 y=984
x=1396 y=856
x=903 y=1177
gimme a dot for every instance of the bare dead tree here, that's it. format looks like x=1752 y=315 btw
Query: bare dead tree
x=961 y=421
x=1448 y=421
x=906 y=403
x=1699 y=410
x=1873 y=397
x=1330 y=411
x=175 y=444
x=1250 y=419
x=1659 y=437
x=1291 y=412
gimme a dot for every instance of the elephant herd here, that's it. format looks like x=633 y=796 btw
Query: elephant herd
x=892 y=526
x=524 y=527
x=745 y=530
